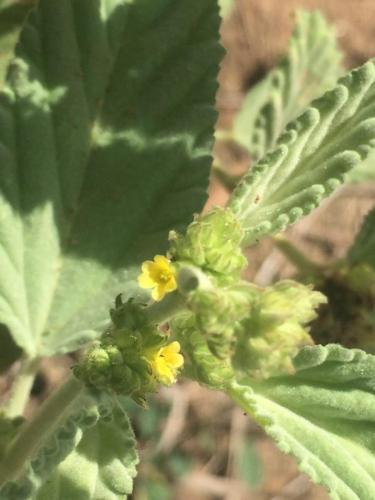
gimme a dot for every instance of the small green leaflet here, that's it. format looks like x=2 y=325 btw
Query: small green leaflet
x=324 y=415
x=363 y=249
x=311 y=66
x=311 y=157
x=101 y=467
x=105 y=137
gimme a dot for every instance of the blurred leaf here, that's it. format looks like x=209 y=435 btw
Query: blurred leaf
x=105 y=139
x=10 y=352
x=12 y=15
x=225 y=7
x=311 y=66
x=311 y=158
x=363 y=249
x=249 y=465
x=324 y=415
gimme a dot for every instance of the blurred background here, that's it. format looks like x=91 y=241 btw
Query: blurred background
x=193 y=443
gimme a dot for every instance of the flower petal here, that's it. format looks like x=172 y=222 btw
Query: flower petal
x=145 y=281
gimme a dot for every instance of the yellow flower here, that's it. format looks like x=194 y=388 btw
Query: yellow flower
x=165 y=362
x=158 y=275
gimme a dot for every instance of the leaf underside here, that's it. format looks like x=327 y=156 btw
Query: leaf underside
x=105 y=138
x=311 y=157
x=324 y=415
x=311 y=66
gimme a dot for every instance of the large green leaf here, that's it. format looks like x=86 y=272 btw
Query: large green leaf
x=363 y=249
x=324 y=415
x=311 y=158
x=311 y=66
x=101 y=467
x=105 y=137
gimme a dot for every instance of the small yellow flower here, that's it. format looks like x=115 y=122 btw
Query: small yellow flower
x=158 y=275
x=165 y=363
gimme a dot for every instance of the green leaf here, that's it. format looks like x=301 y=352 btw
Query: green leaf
x=363 y=249
x=50 y=451
x=102 y=466
x=311 y=66
x=324 y=415
x=311 y=158
x=106 y=130
x=12 y=16
x=365 y=172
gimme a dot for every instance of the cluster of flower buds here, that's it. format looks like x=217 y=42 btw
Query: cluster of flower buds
x=132 y=357
x=247 y=329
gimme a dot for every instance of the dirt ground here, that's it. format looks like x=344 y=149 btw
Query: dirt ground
x=255 y=35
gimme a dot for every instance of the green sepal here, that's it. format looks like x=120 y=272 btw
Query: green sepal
x=212 y=243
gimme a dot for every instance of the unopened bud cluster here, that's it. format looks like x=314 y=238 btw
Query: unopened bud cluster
x=132 y=357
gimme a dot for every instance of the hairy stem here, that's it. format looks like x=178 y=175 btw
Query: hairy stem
x=161 y=312
x=33 y=433
x=20 y=391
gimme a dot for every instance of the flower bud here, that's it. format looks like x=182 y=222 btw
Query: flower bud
x=212 y=242
x=274 y=331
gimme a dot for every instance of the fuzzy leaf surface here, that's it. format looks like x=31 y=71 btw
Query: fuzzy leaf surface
x=324 y=415
x=363 y=249
x=311 y=66
x=101 y=467
x=50 y=452
x=311 y=157
x=105 y=137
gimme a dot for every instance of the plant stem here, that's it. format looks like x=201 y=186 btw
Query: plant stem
x=161 y=312
x=20 y=391
x=33 y=433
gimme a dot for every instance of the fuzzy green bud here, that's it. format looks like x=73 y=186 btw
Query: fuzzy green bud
x=202 y=365
x=212 y=242
x=275 y=329
x=219 y=313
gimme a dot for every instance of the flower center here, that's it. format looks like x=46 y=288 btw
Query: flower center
x=164 y=276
